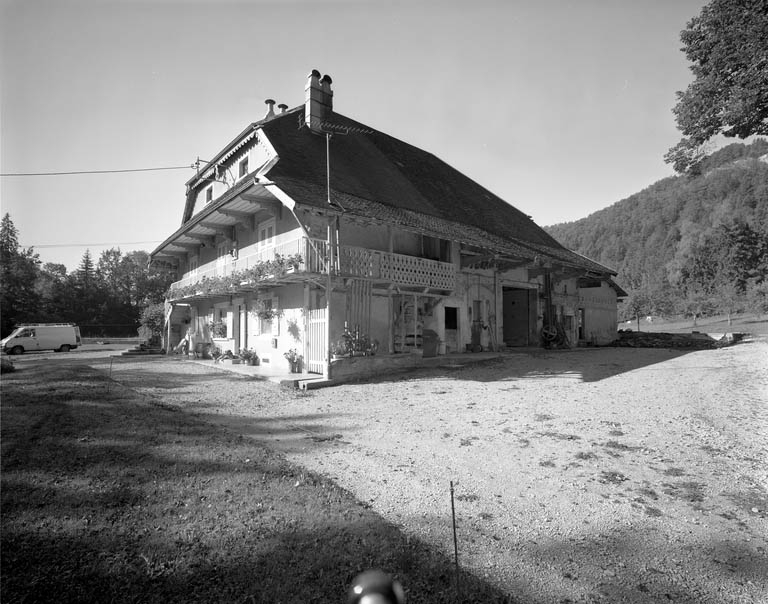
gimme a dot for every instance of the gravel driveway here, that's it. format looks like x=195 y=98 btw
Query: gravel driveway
x=593 y=475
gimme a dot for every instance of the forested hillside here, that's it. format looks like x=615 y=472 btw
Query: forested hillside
x=687 y=244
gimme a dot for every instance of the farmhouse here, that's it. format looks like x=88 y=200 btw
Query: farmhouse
x=315 y=233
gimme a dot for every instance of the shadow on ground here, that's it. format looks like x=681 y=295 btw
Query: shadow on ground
x=583 y=365
x=110 y=497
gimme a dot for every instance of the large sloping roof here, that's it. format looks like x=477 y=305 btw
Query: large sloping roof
x=376 y=172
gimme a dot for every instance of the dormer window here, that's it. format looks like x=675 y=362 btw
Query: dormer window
x=243 y=168
x=209 y=194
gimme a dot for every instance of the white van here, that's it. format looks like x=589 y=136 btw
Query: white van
x=61 y=337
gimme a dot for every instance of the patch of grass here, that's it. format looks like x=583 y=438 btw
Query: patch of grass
x=113 y=497
x=648 y=492
x=614 y=444
x=560 y=436
x=686 y=490
x=612 y=477
x=543 y=417
x=585 y=455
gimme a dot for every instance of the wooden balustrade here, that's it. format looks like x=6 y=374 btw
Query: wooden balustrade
x=358 y=262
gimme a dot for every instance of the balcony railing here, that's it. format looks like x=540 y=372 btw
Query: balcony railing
x=397 y=269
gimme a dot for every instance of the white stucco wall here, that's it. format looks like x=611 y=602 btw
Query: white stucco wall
x=600 y=314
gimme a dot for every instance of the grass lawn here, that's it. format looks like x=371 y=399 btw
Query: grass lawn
x=751 y=324
x=108 y=496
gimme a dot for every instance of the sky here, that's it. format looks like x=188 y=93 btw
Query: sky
x=560 y=107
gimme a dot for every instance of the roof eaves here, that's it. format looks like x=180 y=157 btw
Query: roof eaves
x=240 y=187
x=237 y=142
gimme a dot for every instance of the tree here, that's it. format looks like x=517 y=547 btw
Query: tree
x=757 y=297
x=727 y=45
x=86 y=272
x=51 y=287
x=19 y=268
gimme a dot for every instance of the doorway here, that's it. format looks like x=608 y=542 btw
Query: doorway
x=451 y=325
x=519 y=316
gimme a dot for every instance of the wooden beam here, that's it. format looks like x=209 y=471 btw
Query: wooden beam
x=244 y=218
x=221 y=229
x=205 y=239
x=170 y=254
x=473 y=260
x=190 y=246
x=273 y=206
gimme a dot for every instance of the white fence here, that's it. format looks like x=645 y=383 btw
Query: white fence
x=317 y=341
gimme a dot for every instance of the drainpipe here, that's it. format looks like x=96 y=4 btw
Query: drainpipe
x=168 y=332
x=328 y=292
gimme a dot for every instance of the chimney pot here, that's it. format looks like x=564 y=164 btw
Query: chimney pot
x=282 y=107
x=271 y=109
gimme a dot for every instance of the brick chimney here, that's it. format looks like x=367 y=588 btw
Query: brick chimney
x=318 y=103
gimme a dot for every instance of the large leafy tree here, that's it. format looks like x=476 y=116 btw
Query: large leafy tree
x=18 y=271
x=727 y=45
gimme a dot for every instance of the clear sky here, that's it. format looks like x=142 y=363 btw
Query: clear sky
x=560 y=107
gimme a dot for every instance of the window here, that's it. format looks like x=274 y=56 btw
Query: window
x=220 y=324
x=209 y=194
x=267 y=233
x=222 y=255
x=243 y=168
x=269 y=321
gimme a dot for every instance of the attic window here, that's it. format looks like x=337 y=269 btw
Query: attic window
x=209 y=194
x=243 y=168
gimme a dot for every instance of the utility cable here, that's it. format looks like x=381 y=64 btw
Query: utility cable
x=190 y=167
x=49 y=245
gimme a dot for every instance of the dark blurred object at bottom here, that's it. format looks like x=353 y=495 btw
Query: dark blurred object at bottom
x=375 y=587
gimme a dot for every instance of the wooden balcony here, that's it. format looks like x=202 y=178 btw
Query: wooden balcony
x=383 y=268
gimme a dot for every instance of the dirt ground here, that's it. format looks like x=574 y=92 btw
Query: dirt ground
x=593 y=475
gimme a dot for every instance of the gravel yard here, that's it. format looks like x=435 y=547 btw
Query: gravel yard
x=593 y=475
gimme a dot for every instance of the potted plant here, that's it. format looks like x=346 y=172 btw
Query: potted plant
x=249 y=356
x=265 y=312
x=218 y=329
x=339 y=350
x=295 y=359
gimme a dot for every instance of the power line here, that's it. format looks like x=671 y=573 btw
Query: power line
x=50 y=245
x=190 y=167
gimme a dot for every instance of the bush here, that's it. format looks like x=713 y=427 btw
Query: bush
x=152 y=323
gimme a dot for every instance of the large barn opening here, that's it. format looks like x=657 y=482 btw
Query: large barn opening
x=519 y=315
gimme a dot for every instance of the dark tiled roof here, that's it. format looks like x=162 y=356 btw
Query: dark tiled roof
x=383 y=177
x=301 y=191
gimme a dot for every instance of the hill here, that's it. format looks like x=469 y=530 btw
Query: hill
x=686 y=243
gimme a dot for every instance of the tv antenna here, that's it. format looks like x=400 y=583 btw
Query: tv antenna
x=330 y=129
